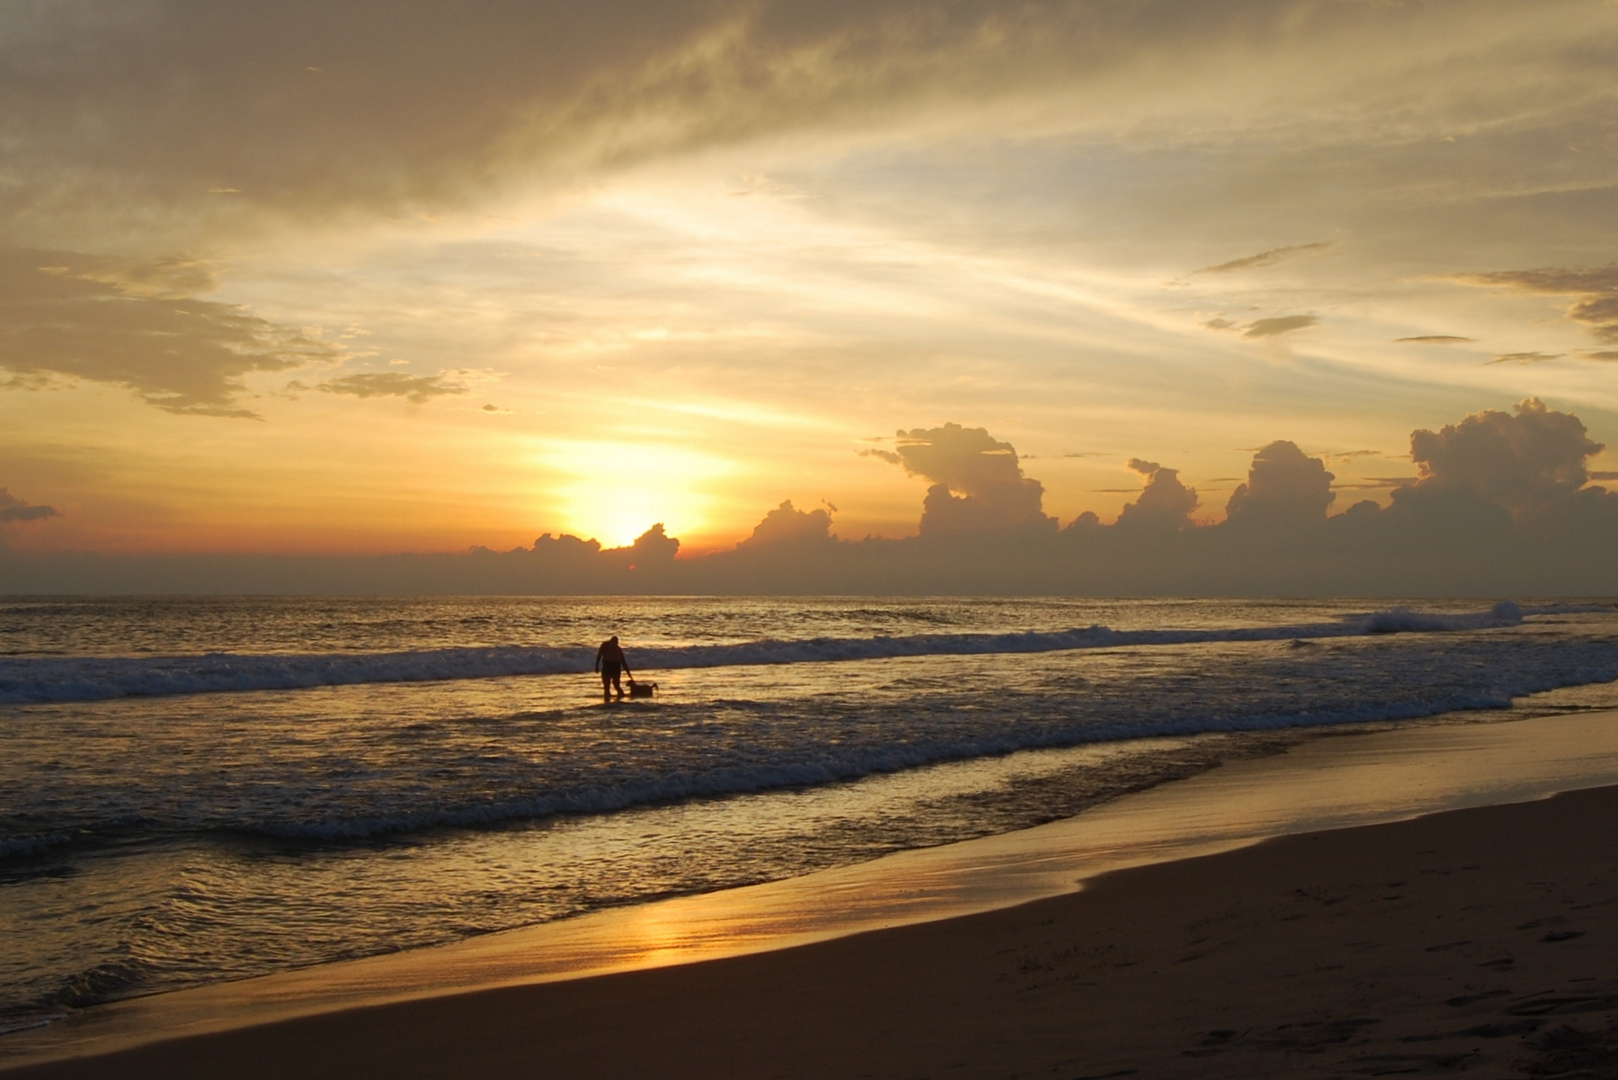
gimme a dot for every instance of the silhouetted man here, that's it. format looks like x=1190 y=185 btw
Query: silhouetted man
x=611 y=663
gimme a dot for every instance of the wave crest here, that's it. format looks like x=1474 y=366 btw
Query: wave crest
x=37 y=680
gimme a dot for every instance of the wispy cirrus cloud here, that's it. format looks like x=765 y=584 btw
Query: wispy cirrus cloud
x=1525 y=358
x=1594 y=289
x=1266 y=258
x=1283 y=324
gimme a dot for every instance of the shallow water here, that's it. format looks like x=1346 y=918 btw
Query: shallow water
x=164 y=840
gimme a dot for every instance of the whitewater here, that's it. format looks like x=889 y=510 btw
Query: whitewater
x=38 y=679
x=205 y=789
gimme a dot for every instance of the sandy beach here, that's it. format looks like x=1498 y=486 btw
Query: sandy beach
x=1482 y=939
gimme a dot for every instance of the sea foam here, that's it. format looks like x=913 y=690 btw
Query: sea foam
x=25 y=680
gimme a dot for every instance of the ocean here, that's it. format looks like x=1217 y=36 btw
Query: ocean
x=196 y=790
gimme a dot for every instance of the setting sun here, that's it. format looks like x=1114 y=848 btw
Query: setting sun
x=614 y=491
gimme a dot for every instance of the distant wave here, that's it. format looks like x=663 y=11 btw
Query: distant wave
x=64 y=679
x=1569 y=609
x=24 y=846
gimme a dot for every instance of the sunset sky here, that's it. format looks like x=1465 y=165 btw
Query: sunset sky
x=375 y=277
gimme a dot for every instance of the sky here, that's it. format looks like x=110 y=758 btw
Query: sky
x=375 y=278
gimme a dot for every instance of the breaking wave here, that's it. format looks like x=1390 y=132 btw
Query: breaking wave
x=35 y=680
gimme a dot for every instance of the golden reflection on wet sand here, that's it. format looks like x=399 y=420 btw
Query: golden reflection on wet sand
x=1326 y=783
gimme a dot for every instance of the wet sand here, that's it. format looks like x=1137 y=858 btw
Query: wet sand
x=1482 y=939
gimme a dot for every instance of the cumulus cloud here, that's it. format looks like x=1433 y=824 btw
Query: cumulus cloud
x=418 y=389
x=1266 y=258
x=1595 y=292
x=1284 y=324
x=1285 y=487
x=131 y=324
x=651 y=549
x=786 y=526
x=15 y=509
x=1164 y=505
x=1502 y=504
x=977 y=481
x=1523 y=461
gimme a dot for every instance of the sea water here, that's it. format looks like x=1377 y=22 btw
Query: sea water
x=194 y=790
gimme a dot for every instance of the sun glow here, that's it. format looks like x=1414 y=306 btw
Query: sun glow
x=616 y=491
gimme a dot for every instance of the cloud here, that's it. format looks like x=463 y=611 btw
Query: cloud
x=1604 y=355
x=1435 y=339
x=652 y=549
x=172 y=277
x=1522 y=461
x=882 y=455
x=787 y=526
x=1500 y=506
x=1284 y=324
x=131 y=324
x=181 y=113
x=1285 y=487
x=214 y=112
x=977 y=481
x=1165 y=505
x=419 y=389
x=15 y=509
x=1524 y=358
x=1219 y=324
x=1265 y=258
x=1595 y=291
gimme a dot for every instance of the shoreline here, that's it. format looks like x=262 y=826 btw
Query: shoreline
x=1331 y=783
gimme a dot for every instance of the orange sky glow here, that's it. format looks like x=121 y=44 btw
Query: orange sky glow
x=323 y=279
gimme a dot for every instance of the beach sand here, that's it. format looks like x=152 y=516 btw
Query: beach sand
x=1482 y=940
